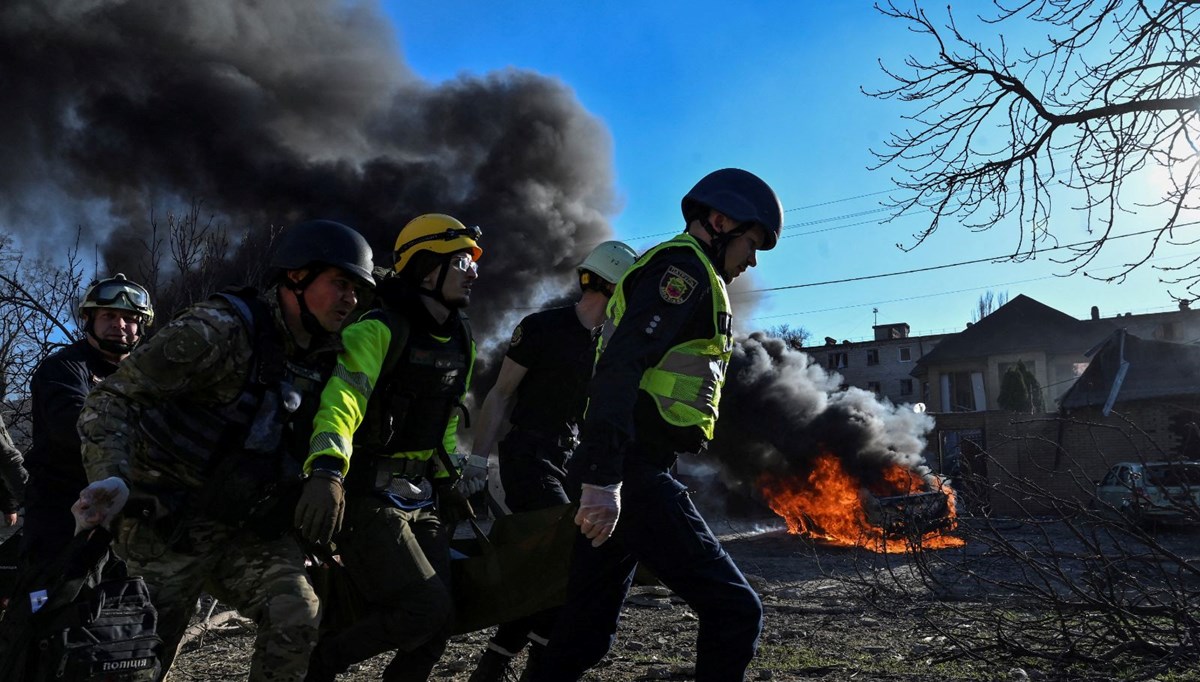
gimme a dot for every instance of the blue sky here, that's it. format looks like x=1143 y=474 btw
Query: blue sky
x=773 y=87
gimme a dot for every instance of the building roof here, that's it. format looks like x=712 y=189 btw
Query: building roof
x=1125 y=367
x=1022 y=324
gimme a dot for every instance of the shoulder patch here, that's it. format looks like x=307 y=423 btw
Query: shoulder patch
x=676 y=286
x=186 y=345
x=516 y=337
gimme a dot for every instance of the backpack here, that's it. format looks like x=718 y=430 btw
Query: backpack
x=90 y=623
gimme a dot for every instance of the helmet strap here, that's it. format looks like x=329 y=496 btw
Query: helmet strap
x=718 y=243
x=108 y=345
x=307 y=320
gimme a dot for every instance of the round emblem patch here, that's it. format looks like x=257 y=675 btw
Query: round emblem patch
x=516 y=336
x=676 y=286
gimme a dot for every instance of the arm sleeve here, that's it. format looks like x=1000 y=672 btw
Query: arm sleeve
x=12 y=469
x=345 y=396
x=649 y=328
x=189 y=357
x=63 y=386
x=523 y=347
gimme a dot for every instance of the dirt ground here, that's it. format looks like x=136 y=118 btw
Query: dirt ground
x=831 y=614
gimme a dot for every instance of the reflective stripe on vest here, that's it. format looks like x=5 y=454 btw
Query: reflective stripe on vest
x=686 y=383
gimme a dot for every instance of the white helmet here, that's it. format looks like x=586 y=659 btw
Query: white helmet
x=609 y=260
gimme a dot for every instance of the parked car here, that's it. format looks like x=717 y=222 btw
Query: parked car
x=1152 y=491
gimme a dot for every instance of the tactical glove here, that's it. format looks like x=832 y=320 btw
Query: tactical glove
x=322 y=503
x=474 y=475
x=452 y=504
x=599 y=507
x=99 y=503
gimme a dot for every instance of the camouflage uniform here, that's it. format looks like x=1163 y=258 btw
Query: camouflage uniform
x=12 y=473
x=200 y=361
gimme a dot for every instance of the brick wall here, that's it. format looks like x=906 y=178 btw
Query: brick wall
x=1028 y=473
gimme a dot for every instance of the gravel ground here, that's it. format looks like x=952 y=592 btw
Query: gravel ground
x=831 y=614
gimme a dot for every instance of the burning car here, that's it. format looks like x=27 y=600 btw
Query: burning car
x=902 y=511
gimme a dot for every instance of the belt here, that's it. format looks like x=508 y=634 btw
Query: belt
x=567 y=441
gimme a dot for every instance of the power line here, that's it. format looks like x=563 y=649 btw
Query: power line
x=949 y=265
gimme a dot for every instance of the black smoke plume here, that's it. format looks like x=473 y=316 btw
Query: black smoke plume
x=780 y=410
x=275 y=111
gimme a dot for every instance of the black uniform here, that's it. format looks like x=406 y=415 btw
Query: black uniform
x=54 y=461
x=558 y=353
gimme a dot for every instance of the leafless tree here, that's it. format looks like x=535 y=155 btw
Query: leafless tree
x=795 y=337
x=1070 y=582
x=37 y=314
x=1108 y=99
x=987 y=304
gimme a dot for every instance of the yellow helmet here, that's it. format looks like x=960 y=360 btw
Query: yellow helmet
x=438 y=233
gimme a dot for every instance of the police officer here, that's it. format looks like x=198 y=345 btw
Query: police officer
x=114 y=314
x=395 y=400
x=655 y=392
x=542 y=391
x=205 y=429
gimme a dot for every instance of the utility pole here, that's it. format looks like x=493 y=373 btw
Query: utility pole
x=876 y=311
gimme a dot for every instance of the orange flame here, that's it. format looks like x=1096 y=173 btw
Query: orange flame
x=828 y=506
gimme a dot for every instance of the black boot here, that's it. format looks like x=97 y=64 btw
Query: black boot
x=492 y=667
x=320 y=667
x=536 y=651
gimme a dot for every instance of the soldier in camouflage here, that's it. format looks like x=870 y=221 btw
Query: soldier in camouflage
x=200 y=427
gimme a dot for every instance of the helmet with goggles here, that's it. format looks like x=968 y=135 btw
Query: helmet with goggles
x=120 y=293
x=436 y=233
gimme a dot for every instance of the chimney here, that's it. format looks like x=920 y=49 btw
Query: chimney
x=896 y=330
x=1185 y=304
x=1095 y=312
x=830 y=341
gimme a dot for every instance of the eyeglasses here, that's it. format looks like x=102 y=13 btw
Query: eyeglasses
x=109 y=293
x=464 y=263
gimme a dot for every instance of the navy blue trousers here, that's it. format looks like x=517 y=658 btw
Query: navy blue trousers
x=660 y=527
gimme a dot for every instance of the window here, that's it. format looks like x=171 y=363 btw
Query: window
x=873 y=386
x=872 y=356
x=906 y=354
x=838 y=360
x=906 y=387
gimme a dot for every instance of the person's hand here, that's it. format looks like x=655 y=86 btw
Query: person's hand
x=599 y=507
x=474 y=475
x=10 y=519
x=321 y=506
x=453 y=505
x=99 y=503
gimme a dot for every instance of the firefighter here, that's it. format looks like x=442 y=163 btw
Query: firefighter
x=658 y=378
x=542 y=390
x=395 y=401
x=114 y=314
x=204 y=431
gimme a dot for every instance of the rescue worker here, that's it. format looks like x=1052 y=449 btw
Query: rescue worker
x=541 y=390
x=13 y=477
x=664 y=351
x=394 y=401
x=114 y=314
x=205 y=430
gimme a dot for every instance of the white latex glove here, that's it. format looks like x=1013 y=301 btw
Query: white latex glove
x=99 y=503
x=599 y=507
x=474 y=475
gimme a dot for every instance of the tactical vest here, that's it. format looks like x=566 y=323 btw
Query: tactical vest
x=230 y=458
x=421 y=383
x=686 y=383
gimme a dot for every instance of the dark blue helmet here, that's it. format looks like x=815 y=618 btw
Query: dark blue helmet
x=741 y=195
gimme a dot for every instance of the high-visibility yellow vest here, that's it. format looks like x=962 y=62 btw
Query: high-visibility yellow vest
x=686 y=383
